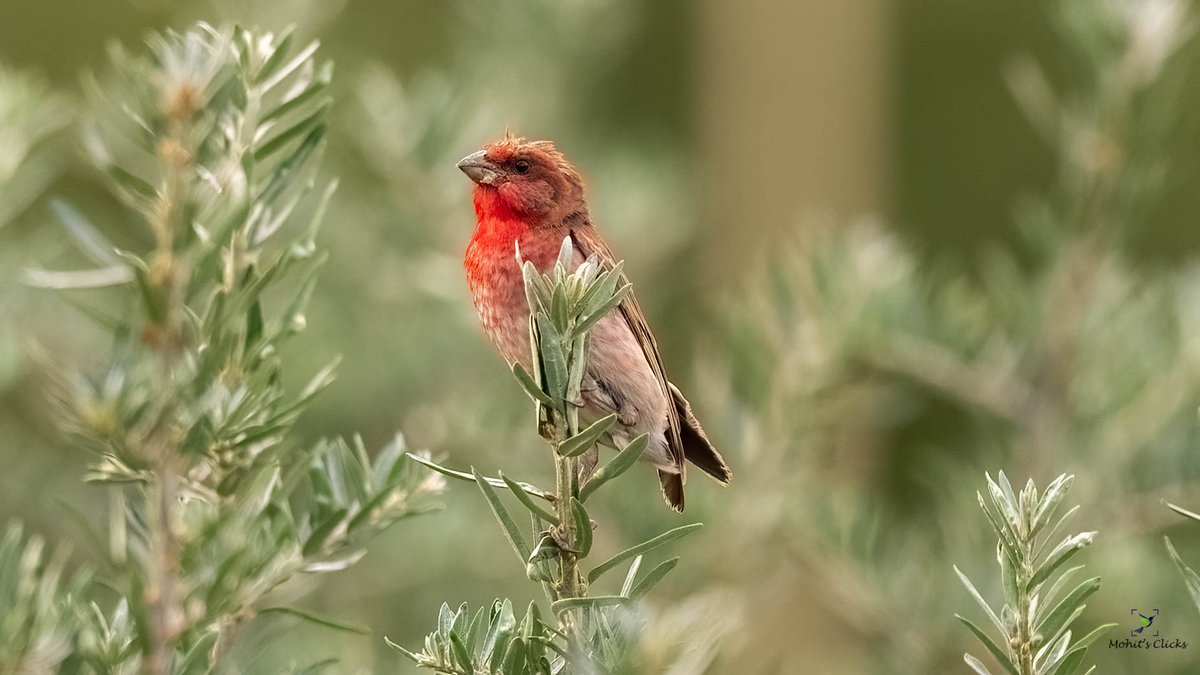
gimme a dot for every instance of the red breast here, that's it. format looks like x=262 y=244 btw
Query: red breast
x=494 y=275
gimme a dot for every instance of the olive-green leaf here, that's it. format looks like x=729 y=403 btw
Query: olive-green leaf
x=644 y=547
x=999 y=654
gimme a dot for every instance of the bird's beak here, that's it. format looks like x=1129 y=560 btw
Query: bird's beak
x=479 y=169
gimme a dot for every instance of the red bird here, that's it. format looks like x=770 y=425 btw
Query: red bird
x=528 y=194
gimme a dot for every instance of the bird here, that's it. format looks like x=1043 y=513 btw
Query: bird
x=529 y=197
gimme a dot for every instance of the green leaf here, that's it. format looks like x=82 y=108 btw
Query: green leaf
x=979 y=600
x=1093 y=636
x=321 y=533
x=601 y=290
x=93 y=244
x=277 y=54
x=1063 y=579
x=1070 y=663
x=1003 y=533
x=603 y=309
x=494 y=482
x=1061 y=553
x=652 y=578
x=585 y=439
x=558 y=306
x=461 y=655
x=411 y=656
x=536 y=296
x=1182 y=511
x=1053 y=496
x=644 y=547
x=500 y=632
x=1050 y=534
x=554 y=360
x=566 y=253
x=1008 y=575
x=511 y=531
x=616 y=466
x=1005 y=504
x=567 y=604
x=1051 y=653
x=1057 y=619
x=527 y=501
x=311 y=617
x=530 y=385
x=583 y=529
x=1000 y=655
x=976 y=665
x=631 y=576
x=135 y=186
x=1190 y=579
x=270 y=77
x=285 y=172
x=309 y=94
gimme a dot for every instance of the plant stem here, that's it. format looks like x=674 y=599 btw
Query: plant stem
x=566 y=469
x=1025 y=647
x=161 y=594
x=161 y=443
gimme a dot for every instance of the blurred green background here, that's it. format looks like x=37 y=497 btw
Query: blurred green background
x=741 y=157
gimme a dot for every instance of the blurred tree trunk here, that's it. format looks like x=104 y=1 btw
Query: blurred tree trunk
x=794 y=119
x=794 y=102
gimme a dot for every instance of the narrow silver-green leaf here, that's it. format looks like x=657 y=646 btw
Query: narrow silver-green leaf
x=585 y=439
x=976 y=665
x=1071 y=663
x=461 y=655
x=511 y=531
x=1059 y=555
x=1057 y=619
x=317 y=619
x=644 y=547
x=631 y=576
x=616 y=466
x=554 y=359
x=1055 y=492
x=1051 y=653
x=527 y=500
x=494 y=482
x=652 y=578
x=583 y=529
x=1091 y=637
x=1182 y=511
x=1000 y=655
x=979 y=600
x=530 y=385
x=560 y=606
x=603 y=309
x=1190 y=579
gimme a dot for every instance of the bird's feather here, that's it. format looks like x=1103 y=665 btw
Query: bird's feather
x=685 y=437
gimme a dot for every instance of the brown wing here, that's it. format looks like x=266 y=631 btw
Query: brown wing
x=683 y=442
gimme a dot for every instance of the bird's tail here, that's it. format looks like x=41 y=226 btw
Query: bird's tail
x=695 y=448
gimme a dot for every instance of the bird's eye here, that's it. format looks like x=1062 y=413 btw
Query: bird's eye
x=521 y=166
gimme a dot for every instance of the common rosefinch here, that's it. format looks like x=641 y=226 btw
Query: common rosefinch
x=528 y=194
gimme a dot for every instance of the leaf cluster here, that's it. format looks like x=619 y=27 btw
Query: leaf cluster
x=213 y=139
x=489 y=642
x=1034 y=621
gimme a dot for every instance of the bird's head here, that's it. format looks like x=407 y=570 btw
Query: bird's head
x=528 y=179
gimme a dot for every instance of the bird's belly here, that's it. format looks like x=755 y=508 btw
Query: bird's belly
x=618 y=379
